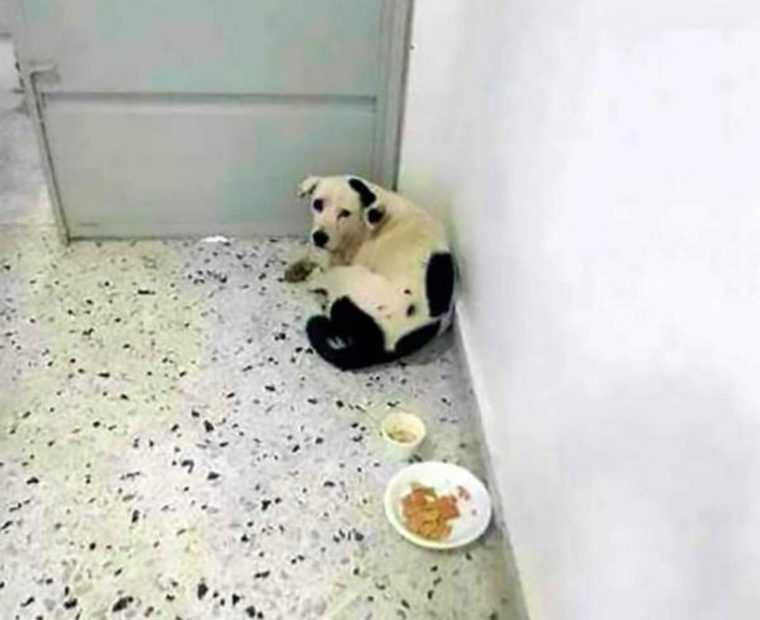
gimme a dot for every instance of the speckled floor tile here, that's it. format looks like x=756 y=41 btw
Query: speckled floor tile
x=171 y=448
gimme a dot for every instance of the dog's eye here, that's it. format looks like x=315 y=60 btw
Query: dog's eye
x=318 y=205
x=344 y=213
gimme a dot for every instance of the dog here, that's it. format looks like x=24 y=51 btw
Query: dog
x=389 y=281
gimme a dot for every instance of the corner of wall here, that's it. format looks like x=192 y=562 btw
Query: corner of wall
x=463 y=336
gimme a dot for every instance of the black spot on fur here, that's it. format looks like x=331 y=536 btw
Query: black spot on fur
x=349 y=339
x=439 y=283
x=374 y=216
x=417 y=339
x=411 y=310
x=355 y=323
x=366 y=195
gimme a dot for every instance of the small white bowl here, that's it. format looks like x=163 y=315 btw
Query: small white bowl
x=445 y=478
x=403 y=433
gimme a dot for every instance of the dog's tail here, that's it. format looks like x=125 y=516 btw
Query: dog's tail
x=351 y=339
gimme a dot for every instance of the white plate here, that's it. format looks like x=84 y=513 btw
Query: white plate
x=475 y=513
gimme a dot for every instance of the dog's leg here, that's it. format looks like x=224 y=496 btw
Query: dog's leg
x=354 y=281
x=348 y=336
x=372 y=293
x=318 y=284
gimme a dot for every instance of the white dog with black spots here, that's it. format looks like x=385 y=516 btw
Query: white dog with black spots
x=389 y=277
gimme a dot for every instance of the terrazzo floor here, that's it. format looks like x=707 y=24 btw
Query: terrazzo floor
x=171 y=448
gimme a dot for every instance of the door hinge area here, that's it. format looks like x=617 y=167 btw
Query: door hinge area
x=42 y=72
x=37 y=68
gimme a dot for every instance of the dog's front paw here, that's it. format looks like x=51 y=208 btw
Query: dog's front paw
x=300 y=270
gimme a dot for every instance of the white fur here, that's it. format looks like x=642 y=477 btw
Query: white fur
x=382 y=266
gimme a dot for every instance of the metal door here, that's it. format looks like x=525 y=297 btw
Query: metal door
x=189 y=117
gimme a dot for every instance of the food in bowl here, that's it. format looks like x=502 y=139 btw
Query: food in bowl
x=428 y=514
x=401 y=435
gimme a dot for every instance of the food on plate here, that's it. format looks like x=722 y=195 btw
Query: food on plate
x=427 y=514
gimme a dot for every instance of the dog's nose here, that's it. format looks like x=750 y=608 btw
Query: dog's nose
x=320 y=238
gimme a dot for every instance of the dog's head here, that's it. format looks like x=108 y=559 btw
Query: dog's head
x=344 y=210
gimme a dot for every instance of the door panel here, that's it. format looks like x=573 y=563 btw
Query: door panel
x=178 y=162
x=195 y=117
x=304 y=47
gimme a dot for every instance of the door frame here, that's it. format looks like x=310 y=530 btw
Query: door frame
x=395 y=40
x=30 y=71
x=393 y=52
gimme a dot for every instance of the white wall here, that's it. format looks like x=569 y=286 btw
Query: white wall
x=600 y=164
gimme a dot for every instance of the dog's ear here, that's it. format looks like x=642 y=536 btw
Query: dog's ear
x=366 y=195
x=308 y=186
